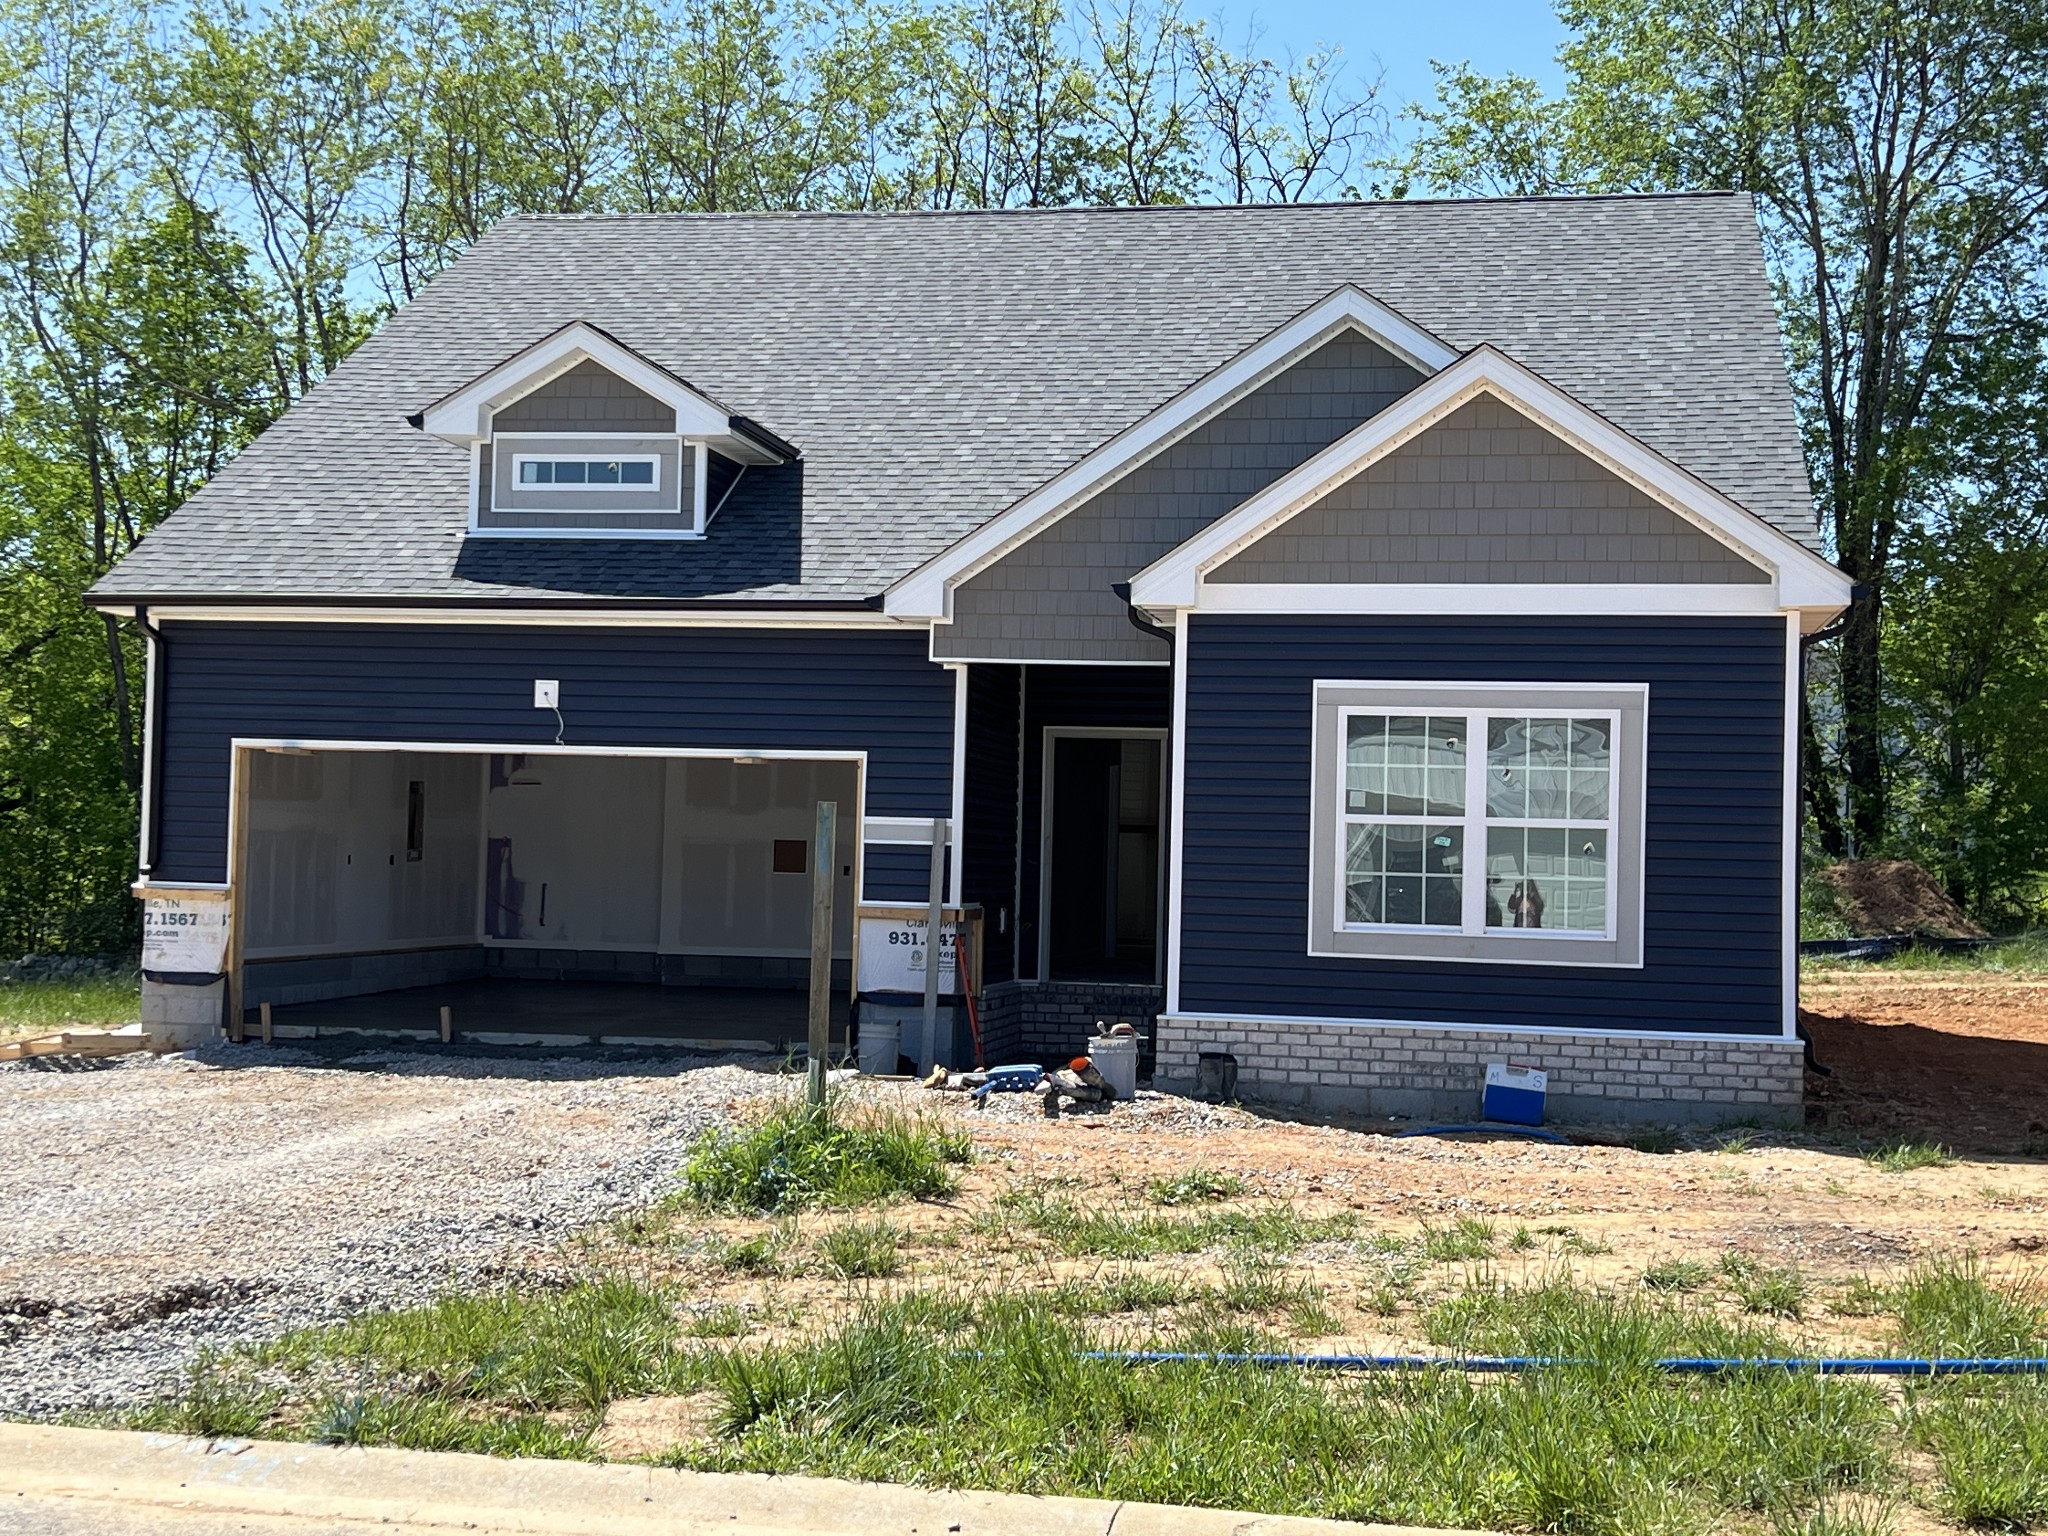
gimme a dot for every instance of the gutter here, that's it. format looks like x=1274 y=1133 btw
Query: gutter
x=152 y=737
x=142 y=603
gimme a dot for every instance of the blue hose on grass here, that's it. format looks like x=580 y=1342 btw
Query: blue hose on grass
x=1677 y=1365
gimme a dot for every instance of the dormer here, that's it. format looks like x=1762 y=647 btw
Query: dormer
x=579 y=436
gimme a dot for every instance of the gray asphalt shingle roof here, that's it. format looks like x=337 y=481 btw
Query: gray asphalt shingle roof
x=934 y=368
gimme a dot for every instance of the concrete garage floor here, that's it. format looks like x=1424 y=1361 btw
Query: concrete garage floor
x=512 y=1012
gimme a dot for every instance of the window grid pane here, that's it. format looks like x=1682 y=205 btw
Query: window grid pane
x=586 y=472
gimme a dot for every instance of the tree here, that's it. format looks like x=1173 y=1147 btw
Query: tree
x=1899 y=155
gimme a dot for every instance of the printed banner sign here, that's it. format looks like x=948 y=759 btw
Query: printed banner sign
x=184 y=933
x=894 y=950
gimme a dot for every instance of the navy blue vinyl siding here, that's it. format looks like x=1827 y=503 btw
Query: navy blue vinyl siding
x=899 y=874
x=989 y=839
x=738 y=689
x=1713 y=875
x=1123 y=698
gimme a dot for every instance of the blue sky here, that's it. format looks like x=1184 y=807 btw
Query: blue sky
x=1404 y=35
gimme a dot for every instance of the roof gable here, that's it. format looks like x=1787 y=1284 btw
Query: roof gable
x=1801 y=577
x=465 y=415
x=927 y=591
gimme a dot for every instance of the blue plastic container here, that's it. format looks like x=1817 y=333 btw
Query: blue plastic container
x=1514 y=1093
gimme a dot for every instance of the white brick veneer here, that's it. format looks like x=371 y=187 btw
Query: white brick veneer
x=1437 y=1073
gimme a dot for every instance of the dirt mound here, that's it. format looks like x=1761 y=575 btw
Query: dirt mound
x=1887 y=896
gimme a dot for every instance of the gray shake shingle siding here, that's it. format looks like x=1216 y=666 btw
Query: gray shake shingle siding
x=935 y=368
x=1486 y=495
x=1050 y=599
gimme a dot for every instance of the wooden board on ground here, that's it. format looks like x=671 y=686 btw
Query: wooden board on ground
x=73 y=1042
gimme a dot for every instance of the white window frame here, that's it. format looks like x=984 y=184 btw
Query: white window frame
x=521 y=460
x=1623 y=705
x=1474 y=821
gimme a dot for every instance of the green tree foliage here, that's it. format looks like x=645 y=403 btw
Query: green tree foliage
x=1899 y=155
x=204 y=208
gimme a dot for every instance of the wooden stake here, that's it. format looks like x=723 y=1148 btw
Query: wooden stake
x=934 y=946
x=265 y=1009
x=447 y=1023
x=824 y=862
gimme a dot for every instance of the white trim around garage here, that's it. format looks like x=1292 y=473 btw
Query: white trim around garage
x=1801 y=579
x=927 y=591
x=1486 y=599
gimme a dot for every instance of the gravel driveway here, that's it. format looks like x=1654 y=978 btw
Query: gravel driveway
x=156 y=1207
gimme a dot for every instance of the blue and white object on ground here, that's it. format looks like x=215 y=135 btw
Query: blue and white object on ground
x=1013 y=1079
x=1514 y=1093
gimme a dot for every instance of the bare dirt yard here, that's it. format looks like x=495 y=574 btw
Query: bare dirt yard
x=1955 y=1056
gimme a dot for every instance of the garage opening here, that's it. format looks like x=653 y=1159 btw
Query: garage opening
x=544 y=897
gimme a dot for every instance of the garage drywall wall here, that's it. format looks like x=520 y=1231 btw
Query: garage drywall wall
x=668 y=854
x=327 y=868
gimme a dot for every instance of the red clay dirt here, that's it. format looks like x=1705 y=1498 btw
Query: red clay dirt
x=1960 y=1058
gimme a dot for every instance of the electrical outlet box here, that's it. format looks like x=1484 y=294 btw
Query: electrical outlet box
x=547 y=693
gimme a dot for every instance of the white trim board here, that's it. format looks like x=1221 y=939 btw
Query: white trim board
x=1470 y=599
x=464 y=417
x=538 y=618
x=1800 y=578
x=926 y=592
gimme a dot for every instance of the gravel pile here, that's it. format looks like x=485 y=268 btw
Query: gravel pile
x=156 y=1208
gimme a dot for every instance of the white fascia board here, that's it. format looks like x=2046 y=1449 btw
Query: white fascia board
x=465 y=416
x=1801 y=578
x=925 y=593
x=546 y=618
x=1467 y=598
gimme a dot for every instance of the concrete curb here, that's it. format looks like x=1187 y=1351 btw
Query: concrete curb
x=122 y=1473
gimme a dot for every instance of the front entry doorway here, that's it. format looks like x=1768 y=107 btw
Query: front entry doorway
x=1104 y=856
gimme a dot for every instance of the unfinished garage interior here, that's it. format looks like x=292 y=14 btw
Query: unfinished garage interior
x=539 y=896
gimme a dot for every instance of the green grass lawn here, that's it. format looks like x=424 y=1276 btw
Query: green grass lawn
x=43 y=1007
x=2023 y=956
x=998 y=1390
x=1010 y=1381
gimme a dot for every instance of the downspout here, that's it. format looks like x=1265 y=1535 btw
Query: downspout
x=152 y=739
x=1171 y=892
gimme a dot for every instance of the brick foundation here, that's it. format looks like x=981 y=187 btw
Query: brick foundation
x=1437 y=1074
x=1049 y=1020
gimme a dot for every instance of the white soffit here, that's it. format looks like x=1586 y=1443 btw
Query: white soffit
x=464 y=417
x=1802 y=579
x=925 y=592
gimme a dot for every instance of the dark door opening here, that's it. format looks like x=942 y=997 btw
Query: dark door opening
x=1102 y=883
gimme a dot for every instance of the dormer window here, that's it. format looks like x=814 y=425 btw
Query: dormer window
x=580 y=474
x=579 y=436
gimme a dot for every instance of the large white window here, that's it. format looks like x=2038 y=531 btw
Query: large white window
x=1478 y=821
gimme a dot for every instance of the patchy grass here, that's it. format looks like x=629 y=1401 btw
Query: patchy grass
x=1908 y=1156
x=1990 y=1448
x=1677 y=1275
x=997 y=1389
x=1763 y=1288
x=2023 y=956
x=1948 y=1308
x=1077 y=1231
x=1198 y=1186
x=91 y=1002
x=1597 y=1449
x=862 y=1250
x=797 y=1156
x=1466 y=1239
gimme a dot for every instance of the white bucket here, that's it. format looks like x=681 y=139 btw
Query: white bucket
x=881 y=1042
x=1116 y=1058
